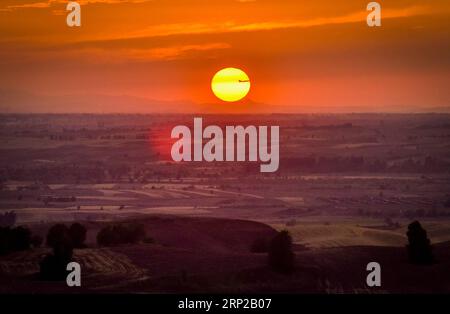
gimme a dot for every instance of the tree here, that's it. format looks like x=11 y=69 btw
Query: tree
x=120 y=234
x=4 y=240
x=58 y=235
x=20 y=238
x=53 y=266
x=77 y=233
x=14 y=239
x=36 y=241
x=419 y=248
x=8 y=219
x=134 y=233
x=106 y=236
x=281 y=257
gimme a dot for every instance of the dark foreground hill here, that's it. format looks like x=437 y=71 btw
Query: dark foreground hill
x=213 y=255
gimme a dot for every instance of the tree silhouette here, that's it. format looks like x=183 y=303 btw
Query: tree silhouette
x=14 y=239
x=8 y=219
x=107 y=237
x=57 y=235
x=21 y=238
x=53 y=266
x=36 y=241
x=419 y=248
x=77 y=233
x=117 y=234
x=281 y=257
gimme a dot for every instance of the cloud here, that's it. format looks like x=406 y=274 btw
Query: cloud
x=176 y=52
x=164 y=53
x=51 y=3
x=39 y=4
x=230 y=26
x=101 y=55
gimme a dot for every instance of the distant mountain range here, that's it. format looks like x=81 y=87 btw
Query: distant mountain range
x=26 y=102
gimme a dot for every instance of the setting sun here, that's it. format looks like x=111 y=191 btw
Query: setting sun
x=230 y=84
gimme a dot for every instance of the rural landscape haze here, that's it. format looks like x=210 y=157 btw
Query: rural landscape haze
x=347 y=188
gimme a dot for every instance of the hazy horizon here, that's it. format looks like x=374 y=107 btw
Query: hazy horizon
x=128 y=104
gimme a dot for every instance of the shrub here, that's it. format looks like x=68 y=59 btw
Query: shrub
x=281 y=257
x=419 y=248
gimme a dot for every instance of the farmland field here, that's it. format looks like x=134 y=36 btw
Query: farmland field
x=347 y=189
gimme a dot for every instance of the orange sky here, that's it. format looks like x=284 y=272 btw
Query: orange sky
x=160 y=55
